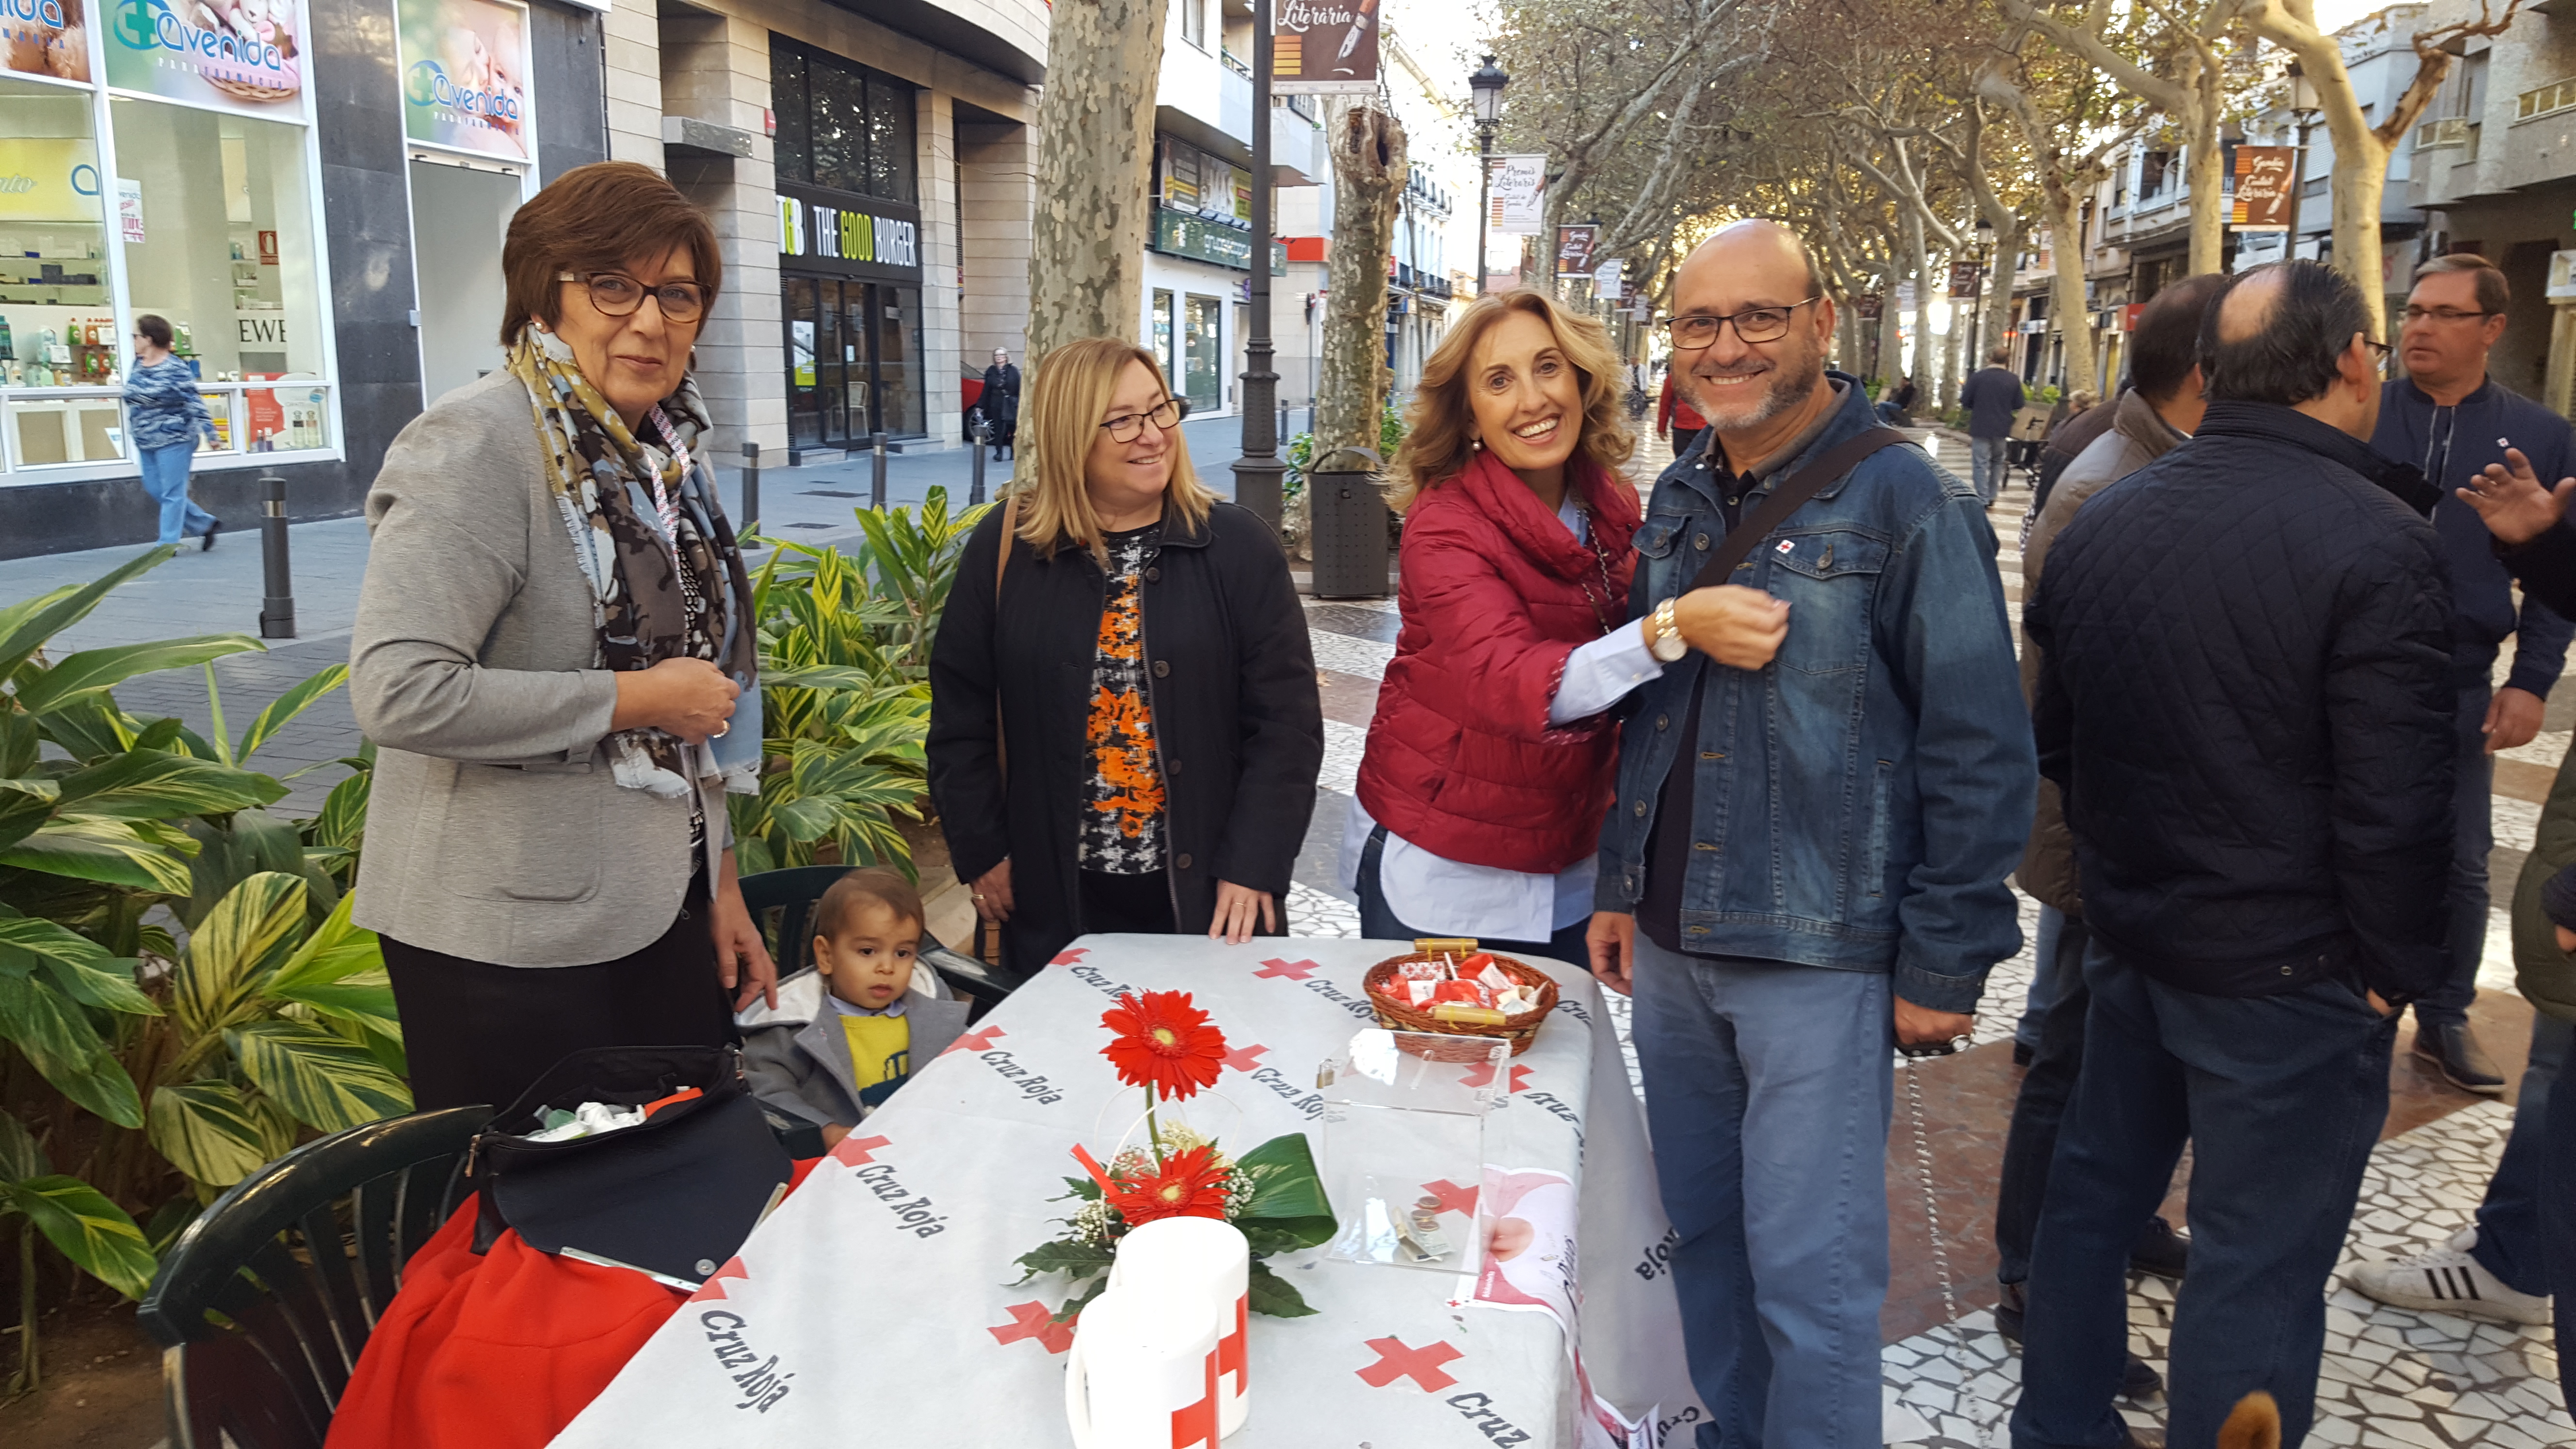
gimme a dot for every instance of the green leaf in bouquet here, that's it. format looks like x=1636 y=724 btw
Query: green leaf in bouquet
x=1273 y=1295
x=1064 y=1255
x=1083 y=1188
x=1074 y=1305
x=1287 y=1193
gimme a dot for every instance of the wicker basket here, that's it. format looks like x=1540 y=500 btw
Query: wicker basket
x=1520 y=1031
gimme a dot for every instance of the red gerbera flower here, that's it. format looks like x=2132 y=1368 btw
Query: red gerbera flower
x=1164 y=1044
x=1187 y=1185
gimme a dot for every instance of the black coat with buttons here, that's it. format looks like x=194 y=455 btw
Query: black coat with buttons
x=1238 y=724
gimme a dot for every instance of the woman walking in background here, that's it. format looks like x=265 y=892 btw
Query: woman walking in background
x=165 y=416
x=1124 y=724
x=554 y=630
x=1001 y=404
x=1490 y=759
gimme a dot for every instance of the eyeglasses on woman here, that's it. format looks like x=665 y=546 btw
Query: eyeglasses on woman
x=617 y=295
x=1165 y=416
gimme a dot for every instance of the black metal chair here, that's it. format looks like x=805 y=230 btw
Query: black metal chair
x=266 y=1300
x=792 y=893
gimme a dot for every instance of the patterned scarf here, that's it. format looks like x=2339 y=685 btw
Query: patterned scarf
x=602 y=475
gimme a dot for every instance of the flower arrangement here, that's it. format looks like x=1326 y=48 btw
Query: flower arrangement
x=1163 y=1044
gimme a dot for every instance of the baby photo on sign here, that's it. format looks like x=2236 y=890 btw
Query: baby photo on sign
x=46 y=37
x=1531 y=1266
x=465 y=82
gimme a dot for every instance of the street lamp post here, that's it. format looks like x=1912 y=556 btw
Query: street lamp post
x=1486 y=84
x=1977 y=297
x=2303 y=109
x=1259 y=473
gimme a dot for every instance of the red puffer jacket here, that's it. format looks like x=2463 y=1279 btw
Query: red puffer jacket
x=1461 y=760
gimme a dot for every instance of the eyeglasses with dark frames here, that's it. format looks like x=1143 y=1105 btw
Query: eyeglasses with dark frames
x=1165 y=416
x=1753 y=324
x=616 y=294
x=2446 y=314
x=2380 y=353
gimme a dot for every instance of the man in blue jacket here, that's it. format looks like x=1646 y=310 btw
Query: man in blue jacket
x=2245 y=701
x=1819 y=799
x=2447 y=417
x=1992 y=397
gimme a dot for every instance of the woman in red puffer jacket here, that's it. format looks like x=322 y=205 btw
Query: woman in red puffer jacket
x=1491 y=757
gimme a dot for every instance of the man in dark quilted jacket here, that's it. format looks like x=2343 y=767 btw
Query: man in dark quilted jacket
x=2245 y=700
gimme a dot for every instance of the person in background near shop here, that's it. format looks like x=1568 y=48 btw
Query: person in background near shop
x=1991 y=398
x=2448 y=417
x=165 y=415
x=1675 y=415
x=2455 y=418
x=1125 y=729
x=1490 y=759
x=2158 y=413
x=1818 y=802
x=553 y=633
x=1001 y=404
x=2262 y=817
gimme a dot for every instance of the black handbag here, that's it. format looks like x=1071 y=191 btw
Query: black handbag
x=674 y=1195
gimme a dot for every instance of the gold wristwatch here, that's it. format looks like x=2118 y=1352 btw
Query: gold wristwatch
x=1663 y=636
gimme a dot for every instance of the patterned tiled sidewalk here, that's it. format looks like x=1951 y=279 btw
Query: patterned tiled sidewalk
x=2391 y=1380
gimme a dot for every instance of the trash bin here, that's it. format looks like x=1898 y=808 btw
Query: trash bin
x=1346 y=522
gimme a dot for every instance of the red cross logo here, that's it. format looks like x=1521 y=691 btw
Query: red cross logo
x=1196 y=1425
x=1453 y=1198
x=1244 y=1059
x=976 y=1041
x=854 y=1151
x=714 y=1288
x=1422 y=1365
x=1070 y=956
x=1034 y=1320
x=1293 y=970
x=1482 y=1074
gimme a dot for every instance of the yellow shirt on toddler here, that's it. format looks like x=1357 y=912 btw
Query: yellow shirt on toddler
x=880 y=1047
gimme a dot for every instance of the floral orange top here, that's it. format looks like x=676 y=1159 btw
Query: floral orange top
x=1122 y=828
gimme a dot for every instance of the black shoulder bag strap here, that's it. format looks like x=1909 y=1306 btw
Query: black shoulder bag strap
x=1788 y=498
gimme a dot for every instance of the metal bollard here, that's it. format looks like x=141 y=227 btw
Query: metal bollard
x=976 y=439
x=750 y=491
x=877 y=459
x=277 y=610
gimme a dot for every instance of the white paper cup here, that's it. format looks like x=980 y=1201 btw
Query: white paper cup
x=1142 y=1374
x=1212 y=1259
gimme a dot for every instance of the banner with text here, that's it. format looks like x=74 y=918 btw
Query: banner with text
x=1574 y=249
x=1518 y=185
x=2262 y=188
x=249 y=60
x=465 y=76
x=1324 y=47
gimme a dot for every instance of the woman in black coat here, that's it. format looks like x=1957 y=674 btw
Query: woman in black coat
x=1001 y=404
x=1129 y=741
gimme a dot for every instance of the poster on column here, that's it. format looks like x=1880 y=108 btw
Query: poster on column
x=465 y=76
x=1324 y=47
x=45 y=38
x=242 y=56
x=1516 y=187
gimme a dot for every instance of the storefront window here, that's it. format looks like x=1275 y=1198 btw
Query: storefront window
x=1200 y=363
x=899 y=358
x=1163 y=337
x=842 y=125
x=57 y=323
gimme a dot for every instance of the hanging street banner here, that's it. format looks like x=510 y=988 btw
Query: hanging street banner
x=1324 y=47
x=2262 y=188
x=1574 y=249
x=465 y=77
x=1964 y=277
x=1872 y=305
x=1609 y=280
x=1517 y=183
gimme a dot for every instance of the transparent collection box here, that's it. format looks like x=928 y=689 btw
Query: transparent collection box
x=1404 y=1146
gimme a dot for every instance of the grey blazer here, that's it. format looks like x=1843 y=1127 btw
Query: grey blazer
x=495 y=830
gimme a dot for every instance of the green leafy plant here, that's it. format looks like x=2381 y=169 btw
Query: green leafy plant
x=159 y=1072
x=845 y=694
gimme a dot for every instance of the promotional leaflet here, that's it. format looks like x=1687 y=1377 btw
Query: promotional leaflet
x=45 y=38
x=465 y=76
x=244 y=56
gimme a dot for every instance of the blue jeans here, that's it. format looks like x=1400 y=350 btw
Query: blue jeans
x=1986 y=459
x=2281 y=1098
x=2509 y=1220
x=2558 y=1219
x=2472 y=837
x=2057 y=967
x=165 y=477
x=1378 y=922
x=1768 y=1094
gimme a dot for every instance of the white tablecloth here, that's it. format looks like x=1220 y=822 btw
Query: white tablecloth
x=873 y=1306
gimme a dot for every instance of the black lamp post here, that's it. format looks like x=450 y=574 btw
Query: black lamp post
x=1259 y=474
x=1487 y=86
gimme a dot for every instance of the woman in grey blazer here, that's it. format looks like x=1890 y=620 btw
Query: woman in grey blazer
x=551 y=641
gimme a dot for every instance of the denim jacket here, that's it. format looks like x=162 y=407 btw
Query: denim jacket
x=1861 y=798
